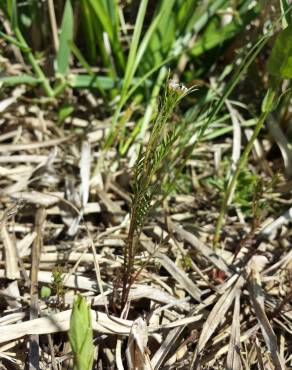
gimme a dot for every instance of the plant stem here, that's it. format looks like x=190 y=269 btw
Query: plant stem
x=44 y=81
x=241 y=162
x=149 y=162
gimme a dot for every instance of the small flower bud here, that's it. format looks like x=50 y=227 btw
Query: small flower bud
x=176 y=87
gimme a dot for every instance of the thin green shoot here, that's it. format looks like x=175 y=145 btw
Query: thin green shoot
x=146 y=183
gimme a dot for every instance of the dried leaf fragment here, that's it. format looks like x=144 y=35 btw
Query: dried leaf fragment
x=137 y=352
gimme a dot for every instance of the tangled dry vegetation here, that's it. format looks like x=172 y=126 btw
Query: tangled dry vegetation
x=190 y=306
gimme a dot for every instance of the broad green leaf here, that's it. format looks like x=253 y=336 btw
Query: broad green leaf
x=280 y=61
x=63 y=56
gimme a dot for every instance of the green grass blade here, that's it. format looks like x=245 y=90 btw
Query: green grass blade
x=113 y=11
x=103 y=82
x=64 y=52
x=88 y=82
x=17 y=80
x=103 y=17
x=146 y=40
x=131 y=64
x=37 y=69
x=14 y=14
x=184 y=9
x=13 y=41
x=93 y=31
x=153 y=101
x=6 y=7
x=162 y=39
x=203 y=14
x=284 y=4
x=280 y=61
x=108 y=27
x=87 y=24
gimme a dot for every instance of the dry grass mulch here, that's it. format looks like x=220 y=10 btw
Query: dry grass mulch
x=191 y=306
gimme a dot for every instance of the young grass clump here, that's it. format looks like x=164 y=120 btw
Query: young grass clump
x=148 y=176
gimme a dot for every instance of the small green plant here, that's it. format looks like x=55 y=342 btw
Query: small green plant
x=81 y=335
x=149 y=172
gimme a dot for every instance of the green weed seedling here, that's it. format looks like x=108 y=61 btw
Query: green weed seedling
x=149 y=173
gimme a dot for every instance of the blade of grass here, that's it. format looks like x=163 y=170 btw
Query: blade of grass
x=16 y=80
x=88 y=81
x=103 y=17
x=135 y=55
x=37 y=69
x=87 y=23
x=25 y=48
x=94 y=29
x=53 y=24
x=13 y=41
x=284 y=4
x=131 y=65
x=66 y=35
x=147 y=45
x=108 y=27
